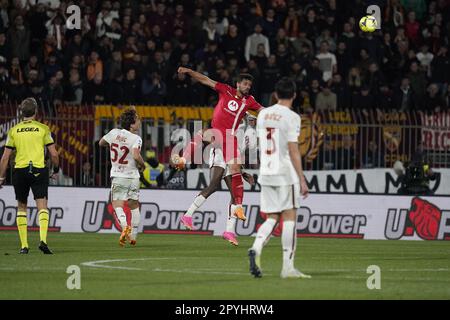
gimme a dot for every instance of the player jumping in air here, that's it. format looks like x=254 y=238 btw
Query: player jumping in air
x=281 y=178
x=30 y=138
x=228 y=113
x=126 y=160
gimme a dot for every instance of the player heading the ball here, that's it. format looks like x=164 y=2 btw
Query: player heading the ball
x=232 y=106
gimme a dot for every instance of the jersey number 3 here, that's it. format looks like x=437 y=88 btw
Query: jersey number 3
x=271 y=148
x=115 y=153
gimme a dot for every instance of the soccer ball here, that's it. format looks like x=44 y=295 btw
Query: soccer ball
x=368 y=24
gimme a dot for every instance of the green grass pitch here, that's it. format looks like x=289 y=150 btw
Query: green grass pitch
x=203 y=267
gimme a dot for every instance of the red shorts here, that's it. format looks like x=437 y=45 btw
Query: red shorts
x=227 y=149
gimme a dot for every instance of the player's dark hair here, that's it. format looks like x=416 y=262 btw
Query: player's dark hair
x=127 y=119
x=245 y=76
x=285 y=88
x=28 y=107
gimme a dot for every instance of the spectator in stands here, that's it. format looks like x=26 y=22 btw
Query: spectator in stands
x=210 y=32
x=440 y=67
x=154 y=89
x=19 y=37
x=291 y=23
x=233 y=43
x=425 y=58
x=364 y=100
x=95 y=91
x=284 y=59
x=339 y=87
x=16 y=81
x=328 y=63
x=313 y=72
x=418 y=80
x=374 y=78
x=343 y=58
x=384 y=98
x=131 y=87
x=433 y=100
x=4 y=82
x=325 y=36
x=354 y=81
x=404 y=96
x=269 y=75
x=345 y=156
x=87 y=178
x=74 y=90
x=311 y=27
x=182 y=90
x=412 y=28
x=152 y=36
x=94 y=67
x=254 y=40
x=313 y=92
x=326 y=100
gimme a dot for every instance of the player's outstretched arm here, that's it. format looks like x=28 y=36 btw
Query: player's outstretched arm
x=199 y=77
x=294 y=154
x=4 y=164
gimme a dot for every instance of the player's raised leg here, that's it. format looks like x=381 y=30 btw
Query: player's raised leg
x=216 y=177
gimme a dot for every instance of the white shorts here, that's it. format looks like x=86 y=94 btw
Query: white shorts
x=216 y=159
x=276 y=199
x=123 y=189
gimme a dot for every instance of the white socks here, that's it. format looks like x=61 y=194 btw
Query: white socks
x=289 y=243
x=120 y=214
x=263 y=234
x=198 y=201
x=135 y=220
x=231 y=222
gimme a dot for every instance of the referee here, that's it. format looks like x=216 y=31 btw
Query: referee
x=30 y=138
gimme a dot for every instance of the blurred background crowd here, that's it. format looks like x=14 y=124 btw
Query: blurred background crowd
x=128 y=51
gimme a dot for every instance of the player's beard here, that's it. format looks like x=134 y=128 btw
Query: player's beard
x=244 y=94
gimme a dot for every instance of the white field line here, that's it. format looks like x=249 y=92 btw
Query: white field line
x=100 y=264
x=106 y=265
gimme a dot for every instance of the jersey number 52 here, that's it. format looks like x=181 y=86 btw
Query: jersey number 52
x=115 y=153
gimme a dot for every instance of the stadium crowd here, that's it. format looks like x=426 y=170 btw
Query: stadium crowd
x=129 y=51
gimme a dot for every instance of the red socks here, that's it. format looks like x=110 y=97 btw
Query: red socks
x=237 y=188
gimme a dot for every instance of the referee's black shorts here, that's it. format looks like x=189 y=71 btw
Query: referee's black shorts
x=37 y=181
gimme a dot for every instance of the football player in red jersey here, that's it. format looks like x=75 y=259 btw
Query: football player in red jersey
x=232 y=106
